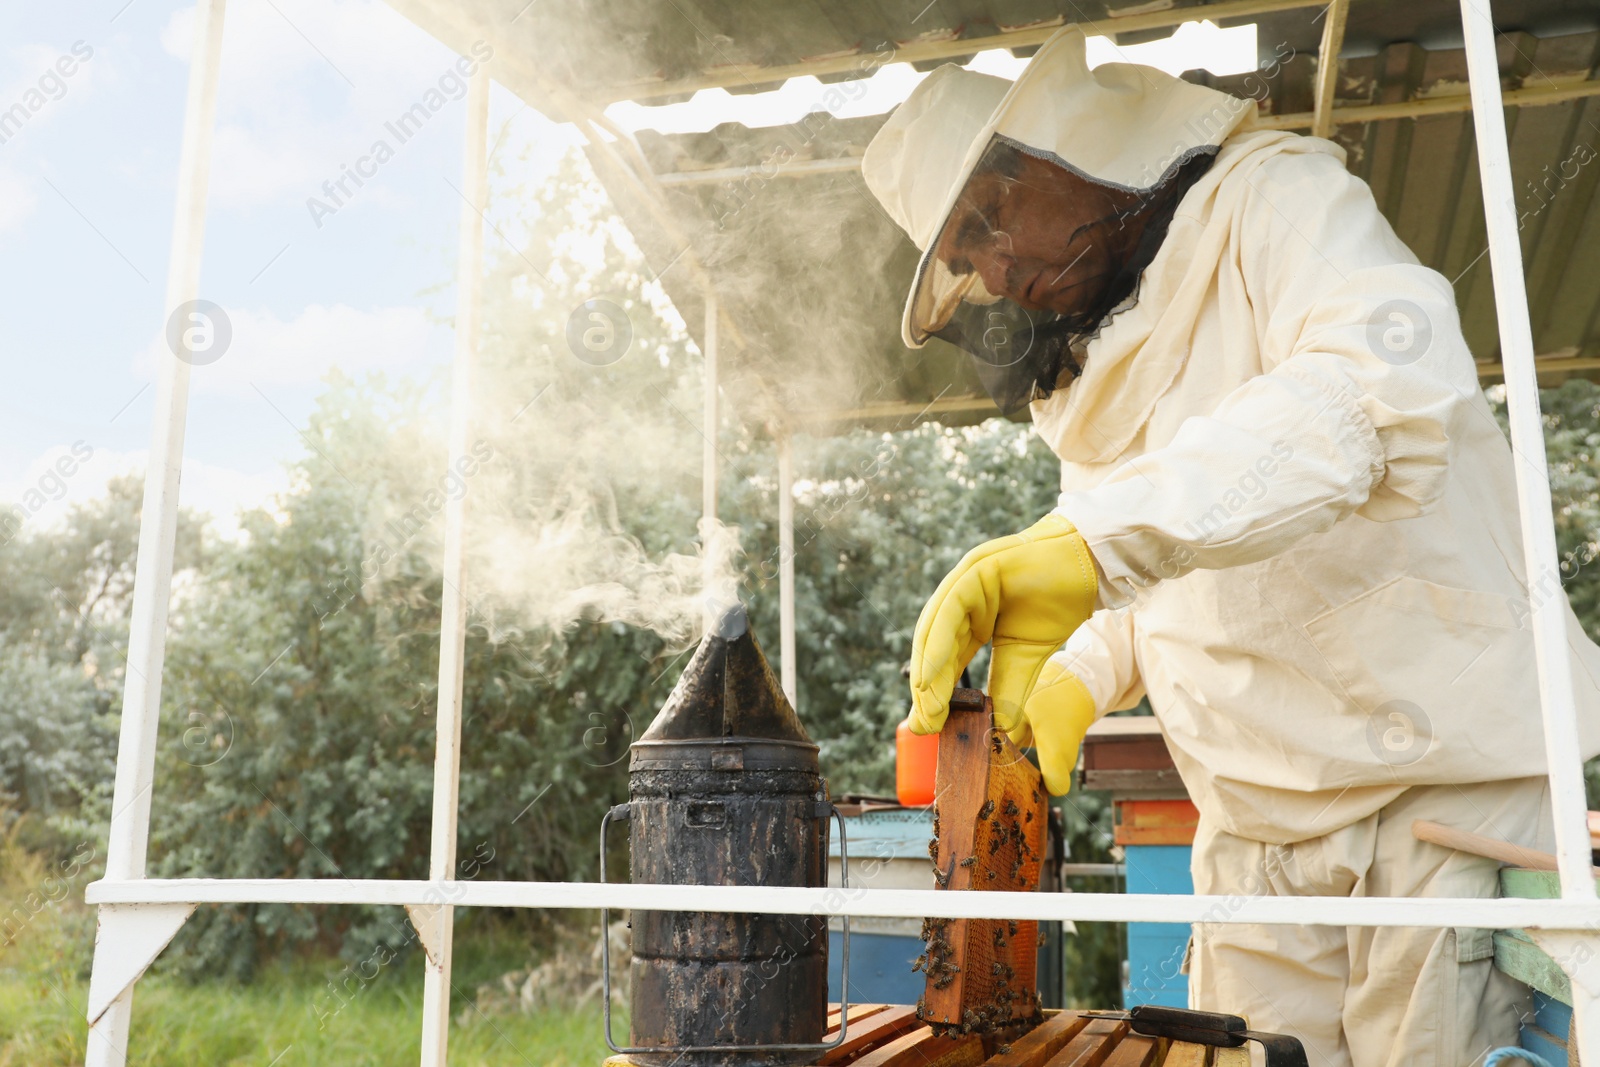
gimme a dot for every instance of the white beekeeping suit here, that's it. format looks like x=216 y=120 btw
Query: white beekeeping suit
x=1303 y=523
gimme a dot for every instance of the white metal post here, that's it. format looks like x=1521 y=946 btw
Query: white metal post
x=708 y=484
x=129 y=833
x=787 y=668
x=1328 y=67
x=453 y=607
x=1551 y=656
x=1527 y=441
x=710 y=421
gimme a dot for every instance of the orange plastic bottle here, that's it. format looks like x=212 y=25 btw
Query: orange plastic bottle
x=916 y=762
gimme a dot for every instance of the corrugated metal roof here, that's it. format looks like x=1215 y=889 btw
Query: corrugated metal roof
x=605 y=50
x=811 y=274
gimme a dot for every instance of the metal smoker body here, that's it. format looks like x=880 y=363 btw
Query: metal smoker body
x=725 y=790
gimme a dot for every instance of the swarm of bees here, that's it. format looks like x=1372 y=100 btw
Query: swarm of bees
x=937 y=960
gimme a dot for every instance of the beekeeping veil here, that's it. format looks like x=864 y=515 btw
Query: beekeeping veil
x=1136 y=137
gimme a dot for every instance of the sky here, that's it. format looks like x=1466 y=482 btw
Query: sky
x=87 y=192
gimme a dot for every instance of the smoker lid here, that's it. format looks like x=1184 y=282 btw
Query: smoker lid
x=728 y=691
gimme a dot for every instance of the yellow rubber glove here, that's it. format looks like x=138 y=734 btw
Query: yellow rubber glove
x=1025 y=594
x=1057 y=714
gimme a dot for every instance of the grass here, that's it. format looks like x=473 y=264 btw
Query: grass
x=285 y=1018
x=271 y=1021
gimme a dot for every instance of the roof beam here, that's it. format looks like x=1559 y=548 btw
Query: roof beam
x=1454 y=103
x=803 y=168
x=1555 y=363
x=1565 y=361
x=1431 y=105
x=945 y=48
x=910 y=412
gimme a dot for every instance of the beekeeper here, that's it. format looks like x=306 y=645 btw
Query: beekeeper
x=1287 y=518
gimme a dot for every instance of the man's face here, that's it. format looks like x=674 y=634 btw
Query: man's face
x=1042 y=237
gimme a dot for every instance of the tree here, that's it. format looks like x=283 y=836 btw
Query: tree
x=64 y=597
x=1572 y=444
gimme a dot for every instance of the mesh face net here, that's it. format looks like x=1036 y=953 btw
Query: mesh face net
x=1029 y=228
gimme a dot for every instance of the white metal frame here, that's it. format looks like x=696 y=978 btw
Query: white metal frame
x=138 y=916
x=129 y=834
x=435 y=922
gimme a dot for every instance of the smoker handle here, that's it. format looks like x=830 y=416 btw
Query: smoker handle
x=825 y=809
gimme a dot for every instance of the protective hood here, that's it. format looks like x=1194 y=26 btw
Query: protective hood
x=1134 y=134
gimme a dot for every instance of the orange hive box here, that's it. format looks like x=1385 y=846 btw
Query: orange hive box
x=1155 y=822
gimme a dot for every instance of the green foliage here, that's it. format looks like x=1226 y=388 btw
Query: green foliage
x=64 y=597
x=1572 y=446
x=1572 y=440
x=53 y=740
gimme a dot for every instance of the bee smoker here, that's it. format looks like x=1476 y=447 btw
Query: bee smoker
x=725 y=789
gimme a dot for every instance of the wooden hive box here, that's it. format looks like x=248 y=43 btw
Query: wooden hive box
x=1127 y=755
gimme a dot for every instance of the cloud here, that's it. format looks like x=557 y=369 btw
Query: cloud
x=306 y=86
x=17 y=199
x=66 y=475
x=34 y=89
x=365 y=44
x=222 y=492
x=266 y=350
x=258 y=167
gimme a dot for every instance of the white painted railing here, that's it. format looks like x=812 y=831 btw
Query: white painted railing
x=1485 y=913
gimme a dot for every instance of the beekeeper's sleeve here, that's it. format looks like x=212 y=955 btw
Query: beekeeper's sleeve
x=1100 y=653
x=1365 y=377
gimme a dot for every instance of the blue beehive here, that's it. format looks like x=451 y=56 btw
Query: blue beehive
x=1127 y=756
x=1155 y=950
x=889 y=850
x=1515 y=954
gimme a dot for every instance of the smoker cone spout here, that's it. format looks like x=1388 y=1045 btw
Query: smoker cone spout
x=724 y=789
x=728 y=691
